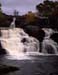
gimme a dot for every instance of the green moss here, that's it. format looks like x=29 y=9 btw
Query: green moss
x=1 y=15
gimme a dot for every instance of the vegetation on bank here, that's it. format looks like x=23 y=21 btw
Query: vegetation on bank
x=46 y=16
x=48 y=8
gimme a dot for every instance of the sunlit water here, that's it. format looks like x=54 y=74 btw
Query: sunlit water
x=11 y=40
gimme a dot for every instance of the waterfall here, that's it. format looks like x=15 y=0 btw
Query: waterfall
x=12 y=25
x=19 y=44
x=49 y=45
x=11 y=40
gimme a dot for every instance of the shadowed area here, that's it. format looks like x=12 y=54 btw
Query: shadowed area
x=54 y=37
x=40 y=65
x=2 y=51
x=7 y=69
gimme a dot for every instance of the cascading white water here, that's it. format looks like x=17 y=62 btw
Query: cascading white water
x=48 y=32
x=11 y=41
x=48 y=43
x=12 y=25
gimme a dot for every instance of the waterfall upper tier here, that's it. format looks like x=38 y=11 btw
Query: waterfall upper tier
x=12 y=25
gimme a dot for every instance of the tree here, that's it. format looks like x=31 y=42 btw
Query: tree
x=30 y=17
x=39 y=7
x=47 y=7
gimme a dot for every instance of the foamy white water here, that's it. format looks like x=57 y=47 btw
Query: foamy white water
x=11 y=40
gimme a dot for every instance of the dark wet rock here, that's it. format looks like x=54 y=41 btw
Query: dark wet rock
x=0 y=33
x=55 y=37
x=2 y=50
x=25 y=50
x=7 y=69
x=32 y=30
x=35 y=31
x=50 y=49
x=23 y=40
x=41 y=35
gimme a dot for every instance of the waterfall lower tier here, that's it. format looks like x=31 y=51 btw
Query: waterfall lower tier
x=12 y=42
x=18 y=44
